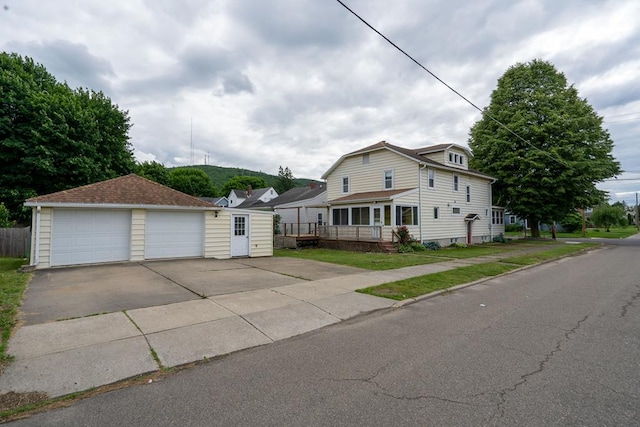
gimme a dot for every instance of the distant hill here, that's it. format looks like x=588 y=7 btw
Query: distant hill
x=220 y=175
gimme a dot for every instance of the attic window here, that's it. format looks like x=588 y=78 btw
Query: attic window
x=365 y=159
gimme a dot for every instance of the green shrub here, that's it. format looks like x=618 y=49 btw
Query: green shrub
x=499 y=238
x=404 y=237
x=458 y=245
x=572 y=222
x=417 y=247
x=510 y=228
x=432 y=246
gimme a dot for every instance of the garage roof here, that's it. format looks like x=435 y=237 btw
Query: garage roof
x=125 y=190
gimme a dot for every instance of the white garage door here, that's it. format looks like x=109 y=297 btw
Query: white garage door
x=84 y=236
x=174 y=234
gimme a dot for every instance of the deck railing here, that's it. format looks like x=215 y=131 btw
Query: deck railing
x=365 y=233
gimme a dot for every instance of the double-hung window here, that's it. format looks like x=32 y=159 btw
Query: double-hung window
x=431 y=178
x=468 y=194
x=345 y=184
x=388 y=180
x=456 y=182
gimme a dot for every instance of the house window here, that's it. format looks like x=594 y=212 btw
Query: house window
x=406 y=215
x=468 y=194
x=461 y=159
x=431 y=178
x=239 y=226
x=456 y=182
x=497 y=217
x=512 y=219
x=387 y=215
x=455 y=211
x=341 y=216
x=436 y=212
x=365 y=159
x=345 y=184
x=360 y=216
x=450 y=157
x=320 y=218
x=388 y=180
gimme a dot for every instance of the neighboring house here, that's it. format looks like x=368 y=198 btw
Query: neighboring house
x=431 y=190
x=223 y=202
x=301 y=209
x=130 y=218
x=251 y=198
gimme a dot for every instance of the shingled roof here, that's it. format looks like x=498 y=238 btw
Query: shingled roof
x=412 y=153
x=124 y=190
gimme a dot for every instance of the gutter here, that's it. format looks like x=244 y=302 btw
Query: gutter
x=420 y=200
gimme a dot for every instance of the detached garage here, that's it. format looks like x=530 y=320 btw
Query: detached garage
x=133 y=219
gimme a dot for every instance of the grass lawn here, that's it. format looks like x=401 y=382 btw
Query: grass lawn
x=382 y=261
x=615 y=233
x=415 y=286
x=369 y=261
x=12 y=285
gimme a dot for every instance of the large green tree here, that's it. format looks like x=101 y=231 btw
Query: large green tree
x=192 y=181
x=285 y=181
x=553 y=150
x=155 y=172
x=53 y=137
x=241 y=182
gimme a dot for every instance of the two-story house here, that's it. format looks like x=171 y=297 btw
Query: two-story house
x=431 y=190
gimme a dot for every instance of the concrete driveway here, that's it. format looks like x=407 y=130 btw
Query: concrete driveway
x=64 y=293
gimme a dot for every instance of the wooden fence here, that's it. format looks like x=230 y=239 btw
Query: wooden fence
x=15 y=242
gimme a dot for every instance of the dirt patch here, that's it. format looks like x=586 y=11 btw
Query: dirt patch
x=14 y=400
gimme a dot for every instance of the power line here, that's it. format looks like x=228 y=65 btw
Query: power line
x=449 y=87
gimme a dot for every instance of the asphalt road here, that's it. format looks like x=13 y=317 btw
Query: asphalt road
x=555 y=345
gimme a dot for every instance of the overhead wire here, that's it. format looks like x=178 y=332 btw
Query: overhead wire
x=450 y=87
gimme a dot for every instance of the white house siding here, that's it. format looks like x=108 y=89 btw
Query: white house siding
x=217 y=237
x=451 y=227
x=138 y=223
x=261 y=237
x=370 y=177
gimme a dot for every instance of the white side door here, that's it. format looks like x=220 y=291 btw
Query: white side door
x=240 y=235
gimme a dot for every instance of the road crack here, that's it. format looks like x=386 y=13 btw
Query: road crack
x=381 y=390
x=632 y=300
x=502 y=394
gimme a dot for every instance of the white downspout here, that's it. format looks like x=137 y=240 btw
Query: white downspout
x=420 y=216
x=491 y=210
x=36 y=252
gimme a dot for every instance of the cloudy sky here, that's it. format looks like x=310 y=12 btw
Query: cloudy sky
x=298 y=83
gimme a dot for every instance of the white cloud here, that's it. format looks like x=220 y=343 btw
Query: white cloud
x=299 y=83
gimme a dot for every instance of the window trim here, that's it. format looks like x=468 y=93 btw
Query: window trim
x=384 y=179
x=348 y=186
x=367 y=217
x=453 y=208
x=415 y=215
x=436 y=213
x=333 y=215
x=365 y=158
x=468 y=193
x=431 y=181
x=456 y=182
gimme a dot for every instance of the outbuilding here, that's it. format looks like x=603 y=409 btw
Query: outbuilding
x=130 y=218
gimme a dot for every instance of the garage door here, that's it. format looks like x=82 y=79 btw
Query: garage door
x=84 y=236
x=174 y=234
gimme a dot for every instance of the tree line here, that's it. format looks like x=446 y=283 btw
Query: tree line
x=544 y=143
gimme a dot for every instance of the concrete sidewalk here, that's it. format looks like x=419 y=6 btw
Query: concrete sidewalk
x=63 y=357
